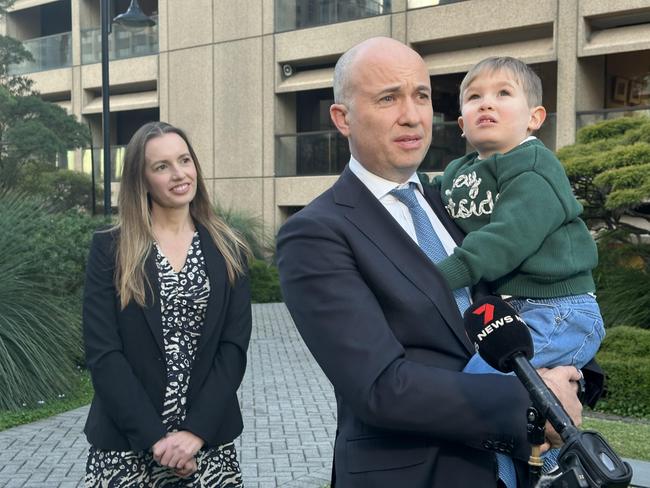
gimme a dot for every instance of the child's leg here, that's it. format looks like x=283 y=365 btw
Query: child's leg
x=565 y=330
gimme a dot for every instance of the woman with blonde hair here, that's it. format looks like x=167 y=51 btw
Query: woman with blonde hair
x=167 y=321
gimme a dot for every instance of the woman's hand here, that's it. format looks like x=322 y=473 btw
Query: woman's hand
x=188 y=470
x=177 y=449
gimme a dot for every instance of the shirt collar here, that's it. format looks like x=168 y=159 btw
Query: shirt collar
x=377 y=185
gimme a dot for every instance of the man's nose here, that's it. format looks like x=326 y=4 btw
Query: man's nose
x=410 y=114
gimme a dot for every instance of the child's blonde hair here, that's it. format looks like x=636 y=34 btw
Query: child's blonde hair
x=523 y=74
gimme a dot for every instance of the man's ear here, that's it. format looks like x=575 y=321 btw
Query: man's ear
x=537 y=118
x=461 y=124
x=339 y=116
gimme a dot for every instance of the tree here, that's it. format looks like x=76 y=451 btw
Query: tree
x=33 y=132
x=609 y=169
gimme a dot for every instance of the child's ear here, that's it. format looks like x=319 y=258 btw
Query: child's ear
x=537 y=118
x=461 y=124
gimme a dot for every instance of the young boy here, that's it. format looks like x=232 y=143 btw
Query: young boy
x=515 y=203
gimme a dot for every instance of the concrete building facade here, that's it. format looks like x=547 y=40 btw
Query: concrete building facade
x=251 y=80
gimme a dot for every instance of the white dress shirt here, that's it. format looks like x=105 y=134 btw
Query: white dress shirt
x=381 y=188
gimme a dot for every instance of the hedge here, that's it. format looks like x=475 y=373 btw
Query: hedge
x=625 y=358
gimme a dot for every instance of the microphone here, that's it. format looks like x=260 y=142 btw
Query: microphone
x=503 y=340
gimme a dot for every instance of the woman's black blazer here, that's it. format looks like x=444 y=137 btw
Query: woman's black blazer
x=125 y=355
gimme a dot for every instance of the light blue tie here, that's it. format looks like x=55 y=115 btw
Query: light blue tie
x=428 y=240
x=432 y=246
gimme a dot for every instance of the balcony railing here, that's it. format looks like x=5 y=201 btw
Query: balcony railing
x=97 y=154
x=327 y=152
x=311 y=153
x=589 y=117
x=299 y=14
x=123 y=42
x=49 y=52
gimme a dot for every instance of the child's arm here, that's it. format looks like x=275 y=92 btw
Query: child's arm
x=527 y=211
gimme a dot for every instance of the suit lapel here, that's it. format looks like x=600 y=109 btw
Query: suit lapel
x=374 y=221
x=152 y=312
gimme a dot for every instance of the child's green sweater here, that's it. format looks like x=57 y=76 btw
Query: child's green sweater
x=521 y=219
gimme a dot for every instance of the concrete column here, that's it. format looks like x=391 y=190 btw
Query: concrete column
x=566 y=38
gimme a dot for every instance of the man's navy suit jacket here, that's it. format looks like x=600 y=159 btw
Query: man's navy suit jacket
x=384 y=327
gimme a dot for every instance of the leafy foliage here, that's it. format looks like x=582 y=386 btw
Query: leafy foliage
x=625 y=358
x=265 y=282
x=39 y=332
x=608 y=169
x=31 y=129
x=249 y=227
x=623 y=283
x=62 y=189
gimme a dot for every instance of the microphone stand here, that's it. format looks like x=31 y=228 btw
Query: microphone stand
x=535 y=431
x=586 y=459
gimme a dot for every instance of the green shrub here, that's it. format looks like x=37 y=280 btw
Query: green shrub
x=250 y=227
x=625 y=358
x=623 y=284
x=39 y=332
x=62 y=244
x=265 y=282
x=608 y=129
x=62 y=189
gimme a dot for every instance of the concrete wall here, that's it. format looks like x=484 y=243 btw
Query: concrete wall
x=218 y=73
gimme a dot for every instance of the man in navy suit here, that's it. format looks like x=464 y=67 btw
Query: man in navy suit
x=375 y=312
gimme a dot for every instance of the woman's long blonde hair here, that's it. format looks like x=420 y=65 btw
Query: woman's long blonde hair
x=134 y=219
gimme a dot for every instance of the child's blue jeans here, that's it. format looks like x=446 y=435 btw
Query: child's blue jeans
x=566 y=331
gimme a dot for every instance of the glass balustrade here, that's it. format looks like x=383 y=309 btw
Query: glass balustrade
x=589 y=117
x=49 y=52
x=299 y=14
x=123 y=42
x=327 y=152
x=95 y=157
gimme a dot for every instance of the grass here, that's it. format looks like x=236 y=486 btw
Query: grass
x=628 y=438
x=81 y=395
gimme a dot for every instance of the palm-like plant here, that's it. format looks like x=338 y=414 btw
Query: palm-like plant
x=39 y=334
x=250 y=227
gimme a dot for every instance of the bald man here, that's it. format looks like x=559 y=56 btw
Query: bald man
x=375 y=312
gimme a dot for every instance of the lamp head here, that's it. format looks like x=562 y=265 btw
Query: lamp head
x=134 y=17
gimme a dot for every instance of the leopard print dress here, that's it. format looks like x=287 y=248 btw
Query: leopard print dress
x=184 y=300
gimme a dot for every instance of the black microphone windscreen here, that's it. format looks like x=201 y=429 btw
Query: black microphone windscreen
x=497 y=332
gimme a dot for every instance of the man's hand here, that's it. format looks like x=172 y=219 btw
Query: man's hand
x=176 y=449
x=563 y=382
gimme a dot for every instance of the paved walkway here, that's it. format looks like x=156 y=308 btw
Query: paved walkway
x=289 y=417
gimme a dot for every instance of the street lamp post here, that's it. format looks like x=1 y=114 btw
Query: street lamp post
x=133 y=17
